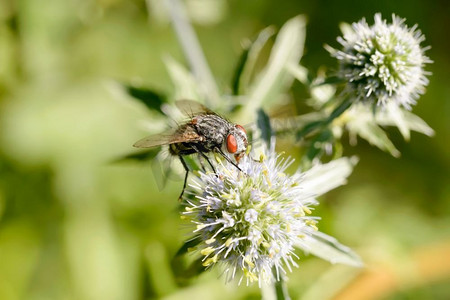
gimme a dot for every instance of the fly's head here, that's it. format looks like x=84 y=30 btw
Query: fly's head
x=236 y=142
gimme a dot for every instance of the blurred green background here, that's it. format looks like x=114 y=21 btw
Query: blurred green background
x=75 y=225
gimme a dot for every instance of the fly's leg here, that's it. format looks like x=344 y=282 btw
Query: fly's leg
x=227 y=158
x=185 y=177
x=205 y=157
x=200 y=159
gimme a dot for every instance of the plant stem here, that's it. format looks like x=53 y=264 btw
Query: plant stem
x=192 y=50
x=339 y=110
x=281 y=290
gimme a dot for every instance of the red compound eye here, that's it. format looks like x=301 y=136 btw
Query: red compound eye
x=231 y=143
x=241 y=128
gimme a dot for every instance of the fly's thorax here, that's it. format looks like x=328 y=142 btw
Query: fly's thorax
x=213 y=128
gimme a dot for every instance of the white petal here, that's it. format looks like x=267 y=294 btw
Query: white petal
x=413 y=122
x=288 y=49
x=328 y=248
x=397 y=117
x=372 y=133
x=322 y=178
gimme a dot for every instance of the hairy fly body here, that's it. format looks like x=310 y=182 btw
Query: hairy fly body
x=205 y=132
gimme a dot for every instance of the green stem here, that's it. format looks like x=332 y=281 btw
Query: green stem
x=192 y=50
x=339 y=110
x=281 y=290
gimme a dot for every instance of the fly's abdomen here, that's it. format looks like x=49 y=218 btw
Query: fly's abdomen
x=182 y=148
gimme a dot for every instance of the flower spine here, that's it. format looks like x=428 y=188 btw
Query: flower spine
x=252 y=222
x=383 y=63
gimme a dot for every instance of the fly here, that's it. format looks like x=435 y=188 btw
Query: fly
x=205 y=132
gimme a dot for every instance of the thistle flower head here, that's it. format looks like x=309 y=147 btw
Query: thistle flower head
x=251 y=221
x=383 y=63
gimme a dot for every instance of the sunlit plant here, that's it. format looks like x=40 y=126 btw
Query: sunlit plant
x=249 y=221
x=383 y=63
x=252 y=221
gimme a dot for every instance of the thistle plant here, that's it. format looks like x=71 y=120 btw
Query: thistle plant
x=383 y=63
x=249 y=219
x=251 y=222
x=382 y=68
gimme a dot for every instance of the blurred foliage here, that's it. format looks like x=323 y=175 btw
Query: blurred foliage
x=76 y=225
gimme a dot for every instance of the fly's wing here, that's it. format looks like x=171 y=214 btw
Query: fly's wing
x=165 y=170
x=192 y=108
x=185 y=133
x=153 y=141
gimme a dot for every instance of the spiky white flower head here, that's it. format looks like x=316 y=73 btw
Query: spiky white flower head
x=383 y=63
x=251 y=222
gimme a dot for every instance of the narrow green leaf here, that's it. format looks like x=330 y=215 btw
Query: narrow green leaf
x=138 y=156
x=316 y=148
x=152 y=99
x=308 y=128
x=189 y=244
x=263 y=122
x=339 y=110
x=194 y=269
x=236 y=82
x=314 y=125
